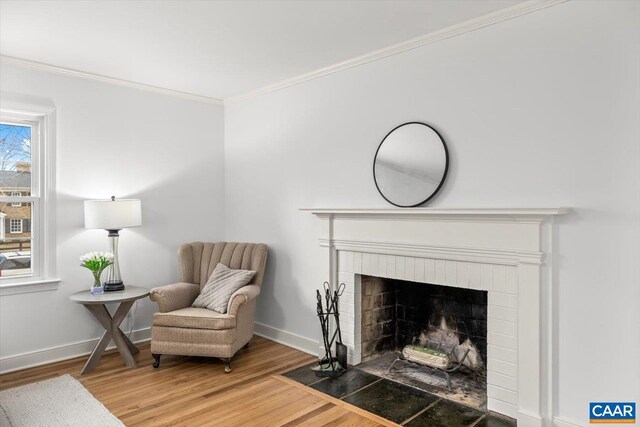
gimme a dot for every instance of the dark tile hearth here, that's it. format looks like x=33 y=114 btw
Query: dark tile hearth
x=393 y=401
x=303 y=375
x=446 y=413
x=397 y=402
x=351 y=381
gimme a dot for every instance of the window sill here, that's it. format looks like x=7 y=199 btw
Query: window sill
x=28 y=286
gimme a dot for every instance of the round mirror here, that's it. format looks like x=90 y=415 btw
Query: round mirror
x=410 y=165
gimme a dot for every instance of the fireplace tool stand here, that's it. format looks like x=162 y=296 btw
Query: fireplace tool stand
x=330 y=366
x=433 y=357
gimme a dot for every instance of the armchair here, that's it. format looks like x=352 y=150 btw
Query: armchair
x=180 y=329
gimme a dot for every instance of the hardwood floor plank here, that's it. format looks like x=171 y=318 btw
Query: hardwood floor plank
x=306 y=414
x=326 y=417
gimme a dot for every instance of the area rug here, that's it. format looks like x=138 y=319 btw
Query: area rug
x=60 y=401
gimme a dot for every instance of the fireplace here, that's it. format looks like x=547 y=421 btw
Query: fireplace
x=503 y=253
x=398 y=313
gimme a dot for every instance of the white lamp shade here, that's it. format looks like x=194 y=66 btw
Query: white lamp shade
x=112 y=214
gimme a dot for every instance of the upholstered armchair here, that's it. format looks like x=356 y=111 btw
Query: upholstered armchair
x=179 y=329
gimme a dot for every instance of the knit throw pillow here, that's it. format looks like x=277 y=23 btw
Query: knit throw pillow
x=222 y=283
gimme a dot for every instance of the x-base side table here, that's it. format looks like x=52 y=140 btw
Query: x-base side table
x=96 y=304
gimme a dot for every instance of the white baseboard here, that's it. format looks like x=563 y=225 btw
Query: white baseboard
x=59 y=353
x=566 y=422
x=287 y=338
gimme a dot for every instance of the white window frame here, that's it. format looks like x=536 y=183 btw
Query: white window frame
x=41 y=118
x=18 y=229
x=16 y=194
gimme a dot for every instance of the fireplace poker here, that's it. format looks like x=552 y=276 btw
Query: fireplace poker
x=325 y=329
x=341 y=349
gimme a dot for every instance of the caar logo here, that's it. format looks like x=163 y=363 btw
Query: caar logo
x=612 y=412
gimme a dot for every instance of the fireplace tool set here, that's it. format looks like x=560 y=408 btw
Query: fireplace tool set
x=435 y=356
x=330 y=366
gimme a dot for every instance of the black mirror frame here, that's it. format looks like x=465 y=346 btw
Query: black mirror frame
x=444 y=175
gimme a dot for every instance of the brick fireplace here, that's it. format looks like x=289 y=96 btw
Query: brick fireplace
x=502 y=252
x=396 y=313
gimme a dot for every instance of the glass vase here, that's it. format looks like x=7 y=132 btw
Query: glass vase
x=97 y=288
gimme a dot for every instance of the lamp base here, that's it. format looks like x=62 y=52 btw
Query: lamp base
x=110 y=287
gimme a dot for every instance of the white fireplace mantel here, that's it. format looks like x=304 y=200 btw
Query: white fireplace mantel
x=513 y=213
x=504 y=251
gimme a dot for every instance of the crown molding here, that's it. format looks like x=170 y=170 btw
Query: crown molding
x=105 y=79
x=445 y=33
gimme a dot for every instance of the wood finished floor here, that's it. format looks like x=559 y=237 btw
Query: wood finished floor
x=197 y=392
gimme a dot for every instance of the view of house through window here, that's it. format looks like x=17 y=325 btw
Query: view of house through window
x=15 y=203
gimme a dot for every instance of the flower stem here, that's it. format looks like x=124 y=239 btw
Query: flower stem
x=96 y=278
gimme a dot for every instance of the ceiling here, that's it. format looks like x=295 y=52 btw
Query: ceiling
x=218 y=49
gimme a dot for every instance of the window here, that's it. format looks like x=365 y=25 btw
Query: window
x=15 y=226
x=26 y=196
x=16 y=194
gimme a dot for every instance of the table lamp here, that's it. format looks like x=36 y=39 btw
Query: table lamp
x=113 y=215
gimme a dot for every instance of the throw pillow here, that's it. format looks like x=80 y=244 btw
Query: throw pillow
x=222 y=283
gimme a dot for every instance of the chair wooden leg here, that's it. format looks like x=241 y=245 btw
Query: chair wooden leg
x=156 y=362
x=227 y=364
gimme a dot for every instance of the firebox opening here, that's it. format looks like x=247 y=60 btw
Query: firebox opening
x=397 y=313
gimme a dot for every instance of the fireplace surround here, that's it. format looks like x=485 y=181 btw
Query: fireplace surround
x=505 y=252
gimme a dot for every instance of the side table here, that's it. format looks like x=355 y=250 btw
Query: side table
x=96 y=305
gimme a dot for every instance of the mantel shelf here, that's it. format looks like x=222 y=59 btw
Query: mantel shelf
x=513 y=213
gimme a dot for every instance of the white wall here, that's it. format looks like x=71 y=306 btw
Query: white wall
x=542 y=110
x=117 y=141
